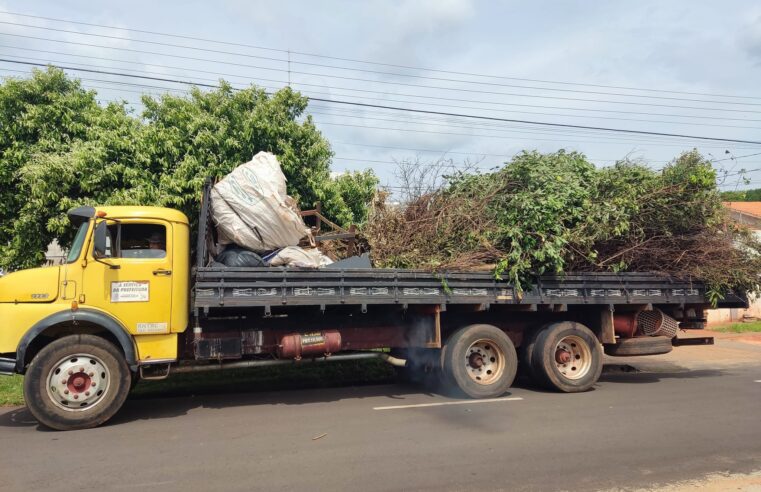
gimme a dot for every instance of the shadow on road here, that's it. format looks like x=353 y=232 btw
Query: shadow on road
x=179 y=403
x=625 y=373
x=20 y=417
x=161 y=407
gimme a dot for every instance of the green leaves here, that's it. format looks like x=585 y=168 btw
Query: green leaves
x=543 y=199
x=59 y=148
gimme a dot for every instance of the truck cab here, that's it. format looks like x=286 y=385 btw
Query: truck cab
x=125 y=281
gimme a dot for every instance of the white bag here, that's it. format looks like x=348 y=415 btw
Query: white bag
x=251 y=209
x=299 y=257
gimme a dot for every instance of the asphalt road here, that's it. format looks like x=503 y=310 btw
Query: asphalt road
x=679 y=418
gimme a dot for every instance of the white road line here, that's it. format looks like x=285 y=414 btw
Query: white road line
x=443 y=403
x=758 y=381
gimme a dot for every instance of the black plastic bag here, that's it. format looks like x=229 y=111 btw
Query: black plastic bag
x=235 y=256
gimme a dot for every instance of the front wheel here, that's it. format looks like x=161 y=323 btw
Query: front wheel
x=480 y=360
x=566 y=356
x=76 y=382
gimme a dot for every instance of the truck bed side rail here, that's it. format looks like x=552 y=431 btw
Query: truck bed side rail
x=216 y=287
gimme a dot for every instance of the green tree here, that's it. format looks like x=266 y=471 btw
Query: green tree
x=67 y=150
x=43 y=114
x=210 y=133
x=109 y=167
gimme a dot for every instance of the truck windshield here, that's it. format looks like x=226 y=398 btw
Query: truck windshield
x=76 y=246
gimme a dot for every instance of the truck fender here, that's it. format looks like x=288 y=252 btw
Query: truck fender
x=88 y=316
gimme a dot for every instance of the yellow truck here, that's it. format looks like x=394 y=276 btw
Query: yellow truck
x=134 y=300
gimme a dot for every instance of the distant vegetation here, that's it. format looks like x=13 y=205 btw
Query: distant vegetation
x=742 y=196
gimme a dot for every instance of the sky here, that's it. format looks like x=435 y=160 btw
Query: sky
x=678 y=67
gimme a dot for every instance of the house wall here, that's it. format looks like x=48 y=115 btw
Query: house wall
x=744 y=218
x=718 y=316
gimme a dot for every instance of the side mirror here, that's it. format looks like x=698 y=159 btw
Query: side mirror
x=100 y=240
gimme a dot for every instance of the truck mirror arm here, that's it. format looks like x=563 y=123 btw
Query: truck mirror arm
x=109 y=265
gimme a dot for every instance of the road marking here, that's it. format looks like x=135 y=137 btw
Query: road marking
x=758 y=380
x=443 y=403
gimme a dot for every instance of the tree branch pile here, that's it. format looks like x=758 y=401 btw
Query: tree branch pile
x=556 y=213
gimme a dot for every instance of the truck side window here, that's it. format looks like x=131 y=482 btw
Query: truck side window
x=136 y=241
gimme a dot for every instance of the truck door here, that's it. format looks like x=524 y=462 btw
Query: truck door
x=133 y=280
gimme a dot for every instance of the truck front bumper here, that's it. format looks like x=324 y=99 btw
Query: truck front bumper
x=7 y=366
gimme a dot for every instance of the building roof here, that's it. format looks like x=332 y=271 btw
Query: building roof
x=748 y=208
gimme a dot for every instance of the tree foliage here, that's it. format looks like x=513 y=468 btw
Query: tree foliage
x=45 y=114
x=59 y=148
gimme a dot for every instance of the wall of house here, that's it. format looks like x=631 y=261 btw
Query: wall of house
x=718 y=316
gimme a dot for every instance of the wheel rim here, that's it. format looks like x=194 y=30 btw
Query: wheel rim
x=78 y=382
x=573 y=357
x=484 y=362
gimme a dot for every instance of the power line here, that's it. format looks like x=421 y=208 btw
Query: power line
x=502 y=129
x=489 y=118
x=182 y=91
x=357 y=79
x=333 y=111
x=473 y=166
x=405 y=95
x=388 y=73
x=352 y=60
x=564 y=125
x=737 y=157
x=375 y=161
x=502 y=137
x=477 y=154
x=497 y=128
x=339 y=143
x=487 y=126
x=595 y=116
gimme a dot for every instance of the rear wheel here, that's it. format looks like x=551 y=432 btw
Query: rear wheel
x=566 y=356
x=480 y=360
x=76 y=382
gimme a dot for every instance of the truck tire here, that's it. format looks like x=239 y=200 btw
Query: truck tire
x=480 y=360
x=526 y=350
x=76 y=382
x=566 y=357
x=639 y=346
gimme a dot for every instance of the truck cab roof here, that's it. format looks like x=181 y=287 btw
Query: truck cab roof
x=140 y=212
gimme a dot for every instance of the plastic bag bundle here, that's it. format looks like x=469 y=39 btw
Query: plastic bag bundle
x=294 y=256
x=250 y=207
